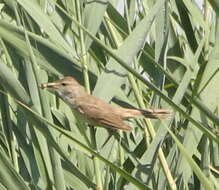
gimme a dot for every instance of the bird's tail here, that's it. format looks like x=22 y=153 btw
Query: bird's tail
x=148 y=113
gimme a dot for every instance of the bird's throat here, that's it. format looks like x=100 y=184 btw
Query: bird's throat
x=68 y=98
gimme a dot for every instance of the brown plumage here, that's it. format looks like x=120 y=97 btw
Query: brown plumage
x=97 y=111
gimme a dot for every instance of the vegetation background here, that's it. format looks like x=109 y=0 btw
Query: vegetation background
x=144 y=53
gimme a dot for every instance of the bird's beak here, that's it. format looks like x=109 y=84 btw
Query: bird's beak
x=49 y=85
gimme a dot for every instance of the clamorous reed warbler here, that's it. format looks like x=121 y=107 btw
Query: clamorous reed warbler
x=97 y=111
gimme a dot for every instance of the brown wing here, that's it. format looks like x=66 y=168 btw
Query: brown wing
x=101 y=113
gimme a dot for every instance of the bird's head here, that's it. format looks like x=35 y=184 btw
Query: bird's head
x=64 y=86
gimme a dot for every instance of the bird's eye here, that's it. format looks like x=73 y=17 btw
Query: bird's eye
x=64 y=84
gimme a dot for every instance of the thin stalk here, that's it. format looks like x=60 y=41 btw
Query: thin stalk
x=149 y=127
x=83 y=48
x=135 y=87
x=116 y=44
x=84 y=63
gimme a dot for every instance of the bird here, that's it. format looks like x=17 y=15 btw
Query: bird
x=96 y=111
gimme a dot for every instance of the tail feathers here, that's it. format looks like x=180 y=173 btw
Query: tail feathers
x=148 y=113
x=156 y=113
